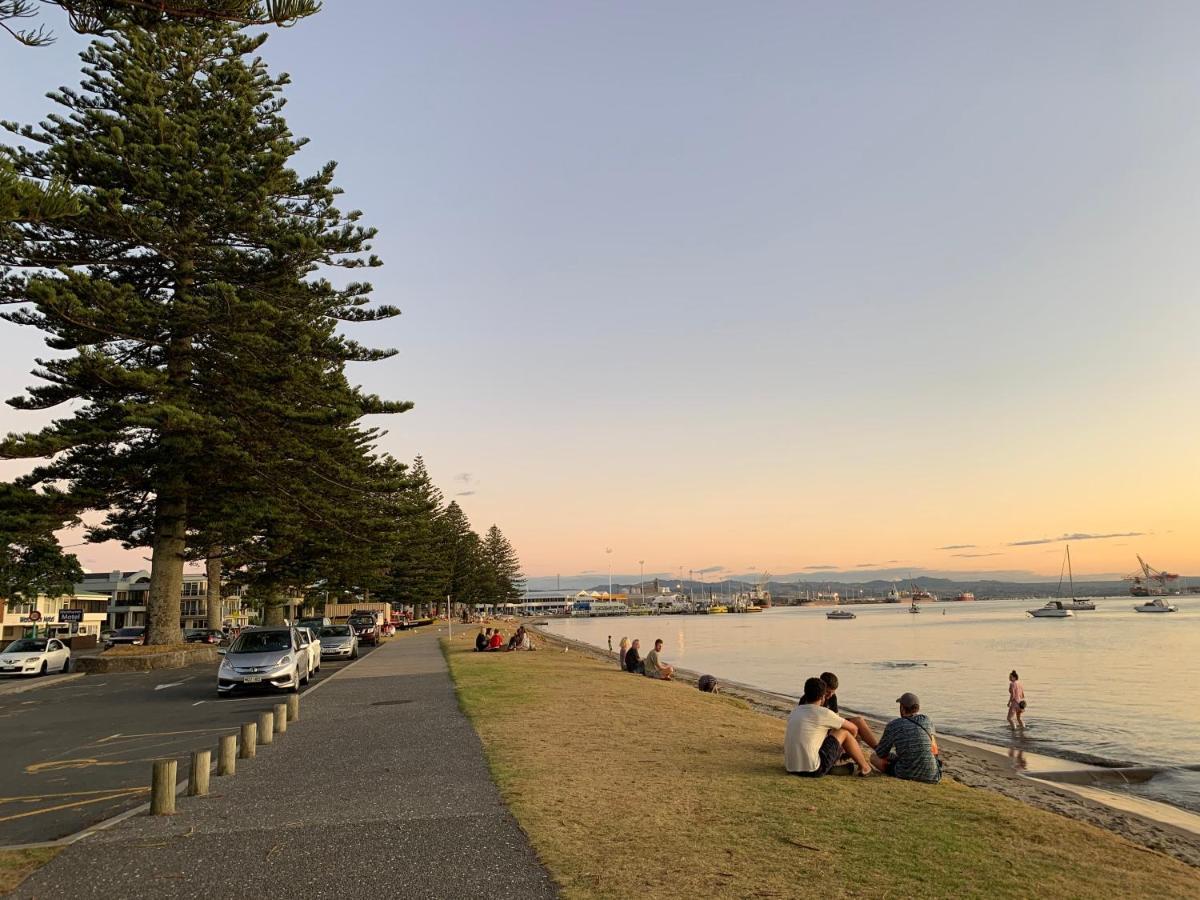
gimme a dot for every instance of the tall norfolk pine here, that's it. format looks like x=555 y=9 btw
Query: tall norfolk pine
x=184 y=301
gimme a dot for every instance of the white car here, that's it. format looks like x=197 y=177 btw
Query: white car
x=312 y=644
x=35 y=656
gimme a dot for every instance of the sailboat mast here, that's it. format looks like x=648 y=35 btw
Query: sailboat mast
x=1070 y=573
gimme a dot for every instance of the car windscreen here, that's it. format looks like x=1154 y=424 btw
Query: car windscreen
x=261 y=642
x=129 y=632
x=336 y=631
x=25 y=646
x=361 y=620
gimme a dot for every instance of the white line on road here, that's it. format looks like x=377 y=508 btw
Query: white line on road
x=159 y=687
x=198 y=702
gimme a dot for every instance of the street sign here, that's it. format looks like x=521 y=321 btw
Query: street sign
x=70 y=615
x=35 y=616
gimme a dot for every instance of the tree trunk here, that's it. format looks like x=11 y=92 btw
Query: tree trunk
x=212 y=568
x=273 y=610
x=166 y=571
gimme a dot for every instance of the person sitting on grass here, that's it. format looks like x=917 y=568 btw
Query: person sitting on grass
x=497 y=641
x=481 y=639
x=656 y=668
x=865 y=734
x=622 y=650
x=633 y=659
x=514 y=642
x=817 y=737
x=908 y=746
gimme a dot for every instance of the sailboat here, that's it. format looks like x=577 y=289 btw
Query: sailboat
x=1075 y=603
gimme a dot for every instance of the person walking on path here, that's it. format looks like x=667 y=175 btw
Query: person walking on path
x=1016 y=700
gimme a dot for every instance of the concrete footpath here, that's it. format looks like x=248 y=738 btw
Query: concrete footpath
x=380 y=789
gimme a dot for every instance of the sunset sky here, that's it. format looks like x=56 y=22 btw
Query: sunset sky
x=774 y=286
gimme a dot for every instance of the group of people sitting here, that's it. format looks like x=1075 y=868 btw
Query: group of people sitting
x=630 y=657
x=818 y=738
x=491 y=639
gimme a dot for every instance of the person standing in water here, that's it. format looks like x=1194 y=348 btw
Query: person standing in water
x=1016 y=700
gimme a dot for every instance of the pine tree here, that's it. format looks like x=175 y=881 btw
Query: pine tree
x=31 y=560
x=419 y=569
x=199 y=350
x=103 y=16
x=502 y=567
x=462 y=551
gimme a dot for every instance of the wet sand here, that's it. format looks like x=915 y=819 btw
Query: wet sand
x=993 y=769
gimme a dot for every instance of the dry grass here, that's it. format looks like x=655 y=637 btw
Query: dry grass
x=17 y=865
x=628 y=786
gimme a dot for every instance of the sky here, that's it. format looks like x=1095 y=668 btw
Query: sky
x=776 y=286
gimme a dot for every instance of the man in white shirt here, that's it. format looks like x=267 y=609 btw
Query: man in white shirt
x=817 y=737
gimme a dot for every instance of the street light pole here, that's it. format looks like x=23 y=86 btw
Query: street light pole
x=642 y=583
x=608 y=551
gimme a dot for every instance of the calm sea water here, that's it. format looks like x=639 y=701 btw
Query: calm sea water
x=1111 y=684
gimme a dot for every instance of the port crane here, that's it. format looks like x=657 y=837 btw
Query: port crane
x=1149 y=582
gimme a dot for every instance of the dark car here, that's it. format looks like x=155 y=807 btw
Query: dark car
x=203 y=636
x=365 y=629
x=125 y=636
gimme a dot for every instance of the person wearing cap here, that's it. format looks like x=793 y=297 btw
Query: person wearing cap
x=817 y=737
x=908 y=746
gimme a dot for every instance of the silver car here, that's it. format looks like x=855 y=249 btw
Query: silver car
x=272 y=657
x=338 y=642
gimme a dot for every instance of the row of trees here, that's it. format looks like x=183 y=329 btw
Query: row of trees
x=182 y=273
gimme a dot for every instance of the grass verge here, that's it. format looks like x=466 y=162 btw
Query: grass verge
x=17 y=865
x=632 y=786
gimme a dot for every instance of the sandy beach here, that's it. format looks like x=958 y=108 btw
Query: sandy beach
x=978 y=767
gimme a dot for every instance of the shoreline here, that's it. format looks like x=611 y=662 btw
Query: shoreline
x=988 y=767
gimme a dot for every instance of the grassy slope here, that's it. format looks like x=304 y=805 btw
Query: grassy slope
x=626 y=785
x=17 y=865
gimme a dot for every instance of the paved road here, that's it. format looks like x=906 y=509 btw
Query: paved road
x=78 y=752
x=380 y=790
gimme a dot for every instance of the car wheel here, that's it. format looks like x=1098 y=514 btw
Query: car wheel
x=45 y=668
x=354 y=655
x=66 y=665
x=295 y=688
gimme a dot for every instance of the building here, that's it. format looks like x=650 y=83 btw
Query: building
x=83 y=616
x=127 y=593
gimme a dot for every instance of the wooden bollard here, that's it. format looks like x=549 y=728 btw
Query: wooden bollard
x=198 y=775
x=281 y=718
x=162 y=787
x=266 y=728
x=249 y=739
x=293 y=707
x=227 y=755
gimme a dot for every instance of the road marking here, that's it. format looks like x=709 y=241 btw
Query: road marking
x=159 y=687
x=55 y=765
x=198 y=702
x=28 y=797
x=129 y=737
x=131 y=792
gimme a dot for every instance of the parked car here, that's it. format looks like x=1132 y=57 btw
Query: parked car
x=339 y=642
x=35 y=656
x=270 y=657
x=365 y=628
x=316 y=623
x=310 y=642
x=203 y=636
x=125 y=637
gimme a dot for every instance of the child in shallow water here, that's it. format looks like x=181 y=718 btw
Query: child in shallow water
x=1016 y=700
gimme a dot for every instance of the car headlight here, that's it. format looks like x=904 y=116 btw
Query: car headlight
x=226 y=664
x=283 y=661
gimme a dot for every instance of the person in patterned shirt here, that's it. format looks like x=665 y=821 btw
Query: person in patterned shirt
x=908 y=746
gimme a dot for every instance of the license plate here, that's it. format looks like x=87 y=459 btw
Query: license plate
x=252 y=679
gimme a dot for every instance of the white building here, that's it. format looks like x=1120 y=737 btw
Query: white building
x=83 y=615
x=127 y=592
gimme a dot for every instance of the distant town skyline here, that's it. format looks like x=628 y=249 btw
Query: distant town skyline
x=767 y=288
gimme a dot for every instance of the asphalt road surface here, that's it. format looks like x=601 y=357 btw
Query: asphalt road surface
x=77 y=753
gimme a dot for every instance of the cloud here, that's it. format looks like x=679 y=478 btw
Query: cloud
x=888 y=562
x=817 y=568
x=710 y=570
x=974 y=555
x=464 y=494
x=464 y=477
x=957 y=547
x=1077 y=536
x=865 y=565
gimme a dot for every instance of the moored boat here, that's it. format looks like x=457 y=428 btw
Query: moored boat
x=1157 y=605
x=840 y=614
x=914 y=608
x=1054 y=609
